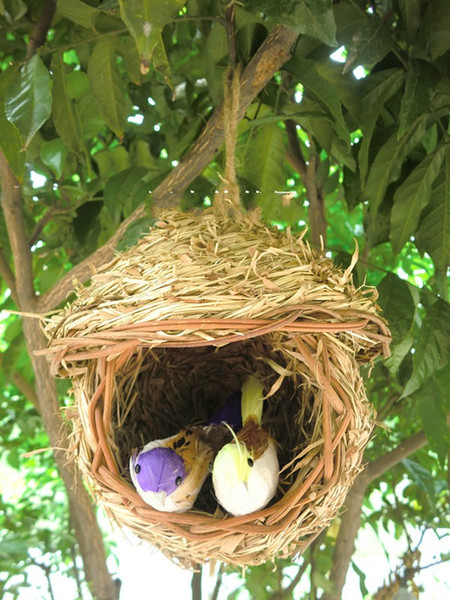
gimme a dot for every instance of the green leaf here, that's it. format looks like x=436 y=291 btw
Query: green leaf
x=125 y=191
x=346 y=85
x=53 y=154
x=439 y=26
x=398 y=353
x=310 y=17
x=28 y=99
x=79 y=12
x=410 y=9
x=349 y=21
x=432 y=352
x=142 y=157
x=131 y=61
x=106 y=85
x=77 y=84
x=111 y=161
x=161 y=63
x=65 y=116
x=215 y=50
x=397 y=304
x=352 y=188
x=421 y=477
x=10 y=141
x=324 y=91
x=263 y=165
x=145 y=20
x=421 y=77
x=135 y=231
x=88 y=110
x=369 y=45
x=434 y=419
x=433 y=235
x=411 y=197
x=378 y=89
x=388 y=163
x=313 y=18
x=13 y=10
x=13 y=547
x=362 y=579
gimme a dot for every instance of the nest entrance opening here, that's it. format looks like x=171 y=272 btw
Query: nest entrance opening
x=161 y=391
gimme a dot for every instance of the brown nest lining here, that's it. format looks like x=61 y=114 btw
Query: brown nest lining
x=169 y=328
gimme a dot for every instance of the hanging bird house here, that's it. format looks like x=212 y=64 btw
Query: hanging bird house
x=164 y=333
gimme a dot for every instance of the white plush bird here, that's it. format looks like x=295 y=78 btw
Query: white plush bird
x=246 y=470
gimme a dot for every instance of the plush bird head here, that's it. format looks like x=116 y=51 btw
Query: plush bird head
x=159 y=470
x=234 y=461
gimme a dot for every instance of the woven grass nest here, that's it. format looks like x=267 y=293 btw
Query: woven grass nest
x=170 y=327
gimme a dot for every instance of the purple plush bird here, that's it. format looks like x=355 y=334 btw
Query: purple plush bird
x=169 y=473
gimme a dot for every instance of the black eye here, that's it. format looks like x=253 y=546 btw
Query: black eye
x=178 y=480
x=250 y=462
x=137 y=469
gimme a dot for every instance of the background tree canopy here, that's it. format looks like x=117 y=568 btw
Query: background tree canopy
x=108 y=109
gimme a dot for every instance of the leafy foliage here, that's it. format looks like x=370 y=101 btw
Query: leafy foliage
x=108 y=107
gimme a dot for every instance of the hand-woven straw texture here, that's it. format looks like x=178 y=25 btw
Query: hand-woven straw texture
x=169 y=328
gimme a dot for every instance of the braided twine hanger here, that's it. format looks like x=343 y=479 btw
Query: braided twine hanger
x=228 y=202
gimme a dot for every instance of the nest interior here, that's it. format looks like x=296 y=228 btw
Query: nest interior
x=170 y=328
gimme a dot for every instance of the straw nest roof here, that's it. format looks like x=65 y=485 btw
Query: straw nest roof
x=169 y=328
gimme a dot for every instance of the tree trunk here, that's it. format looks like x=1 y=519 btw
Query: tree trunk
x=88 y=533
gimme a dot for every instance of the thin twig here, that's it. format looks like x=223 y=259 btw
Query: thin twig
x=433 y=564
x=218 y=583
x=48 y=216
x=386 y=409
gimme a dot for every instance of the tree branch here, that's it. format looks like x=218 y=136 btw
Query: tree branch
x=351 y=518
x=12 y=209
x=296 y=580
x=269 y=58
x=48 y=216
x=196 y=583
x=307 y=171
x=295 y=155
x=42 y=27
x=382 y=464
